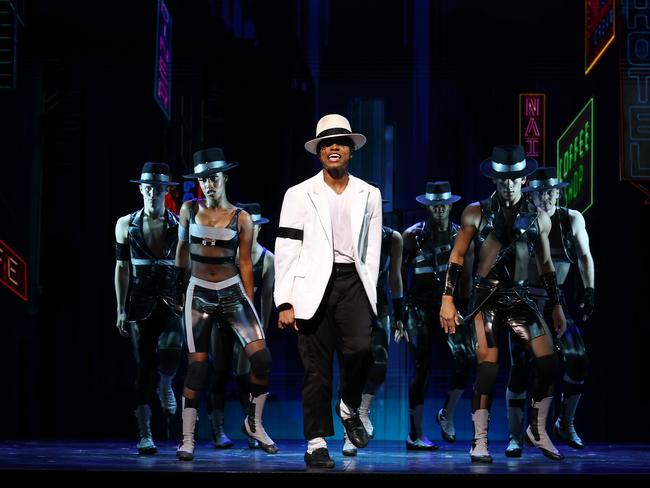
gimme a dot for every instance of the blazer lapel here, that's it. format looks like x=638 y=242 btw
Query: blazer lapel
x=319 y=199
x=357 y=216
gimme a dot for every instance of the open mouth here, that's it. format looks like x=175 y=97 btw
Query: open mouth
x=334 y=157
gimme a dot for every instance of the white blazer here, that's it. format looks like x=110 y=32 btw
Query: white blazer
x=304 y=253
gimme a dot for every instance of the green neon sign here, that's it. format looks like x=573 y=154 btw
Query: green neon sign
x=575 y=159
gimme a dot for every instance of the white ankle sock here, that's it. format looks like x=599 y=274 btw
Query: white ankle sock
x=346 y=412
x=315 y=443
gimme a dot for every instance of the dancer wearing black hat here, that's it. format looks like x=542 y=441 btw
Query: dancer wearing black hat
x=427 y=245
x=145 y=250
x=219 y=294
x=263 y=279
x=569 y=243
x=503 y=231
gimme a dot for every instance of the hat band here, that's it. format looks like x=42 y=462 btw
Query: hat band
x=200 y=168
x=256 y=217
x=506 y=168
x=542 y=183
x=438 y=196
x=333 y=132
x=154 y=177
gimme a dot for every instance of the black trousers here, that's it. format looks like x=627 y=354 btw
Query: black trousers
x=342 y=323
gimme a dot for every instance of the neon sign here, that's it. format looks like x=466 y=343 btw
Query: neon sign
x=13 y=271
x=162 y=89
x=575 y=159
x=600 y=28
x=635 y=98
x=532 y=124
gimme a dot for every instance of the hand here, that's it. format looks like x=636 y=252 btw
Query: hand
x=587 y=303
x=121 y=321
x=449 y=316
x=399 y=331
x=287 y=319
x=559 y=321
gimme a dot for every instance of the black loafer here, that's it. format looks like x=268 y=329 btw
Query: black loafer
x=320 y=458
x=354 y=428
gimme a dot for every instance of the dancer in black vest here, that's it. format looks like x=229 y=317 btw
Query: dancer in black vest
x=504 y=233
x=146 y=246
x=427 y=245
x=569 y=243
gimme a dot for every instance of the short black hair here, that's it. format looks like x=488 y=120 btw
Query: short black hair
x=342 y=141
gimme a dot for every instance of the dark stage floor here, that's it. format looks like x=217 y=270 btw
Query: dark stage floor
x=381 y=458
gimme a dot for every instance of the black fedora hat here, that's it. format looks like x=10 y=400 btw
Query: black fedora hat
x=209 y=161
x=255 y=211
x=155 y=174
x=544 y=178
x=437 y=193
x=376 y=185
x=508 y=161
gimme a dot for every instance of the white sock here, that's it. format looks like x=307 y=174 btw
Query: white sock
x=315 y=443
x=346 y=412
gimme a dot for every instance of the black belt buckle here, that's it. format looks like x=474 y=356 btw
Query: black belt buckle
x=208 y=242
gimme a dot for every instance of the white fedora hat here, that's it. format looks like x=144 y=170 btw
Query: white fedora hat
x=334 y=125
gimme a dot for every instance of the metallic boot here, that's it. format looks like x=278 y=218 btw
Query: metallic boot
x=219 y=437
x=145 y=441
x=536 y=434
x=445 y=417
x=185 y=451
x=515 y=403
x=479 y=452
x=563 y=427
x=253 y=424
x=416 y=440
x=364 y=414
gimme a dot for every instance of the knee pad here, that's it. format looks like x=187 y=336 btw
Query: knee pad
x=379 y=354
x=486 y=377
x=169 y=359
x=547 y=369
x=197 y=372
x=461 y=372
x=575 y=367
x=261 y=363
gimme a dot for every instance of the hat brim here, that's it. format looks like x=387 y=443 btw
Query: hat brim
x=530 y=189
x=261 y=221
x=156 y=182
x=488 y=170
x=211 y=171
x=358 y=139
x=427 y=201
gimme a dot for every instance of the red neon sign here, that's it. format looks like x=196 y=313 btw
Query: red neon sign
x=13 y=271
x=532 y=124
x=600 y=28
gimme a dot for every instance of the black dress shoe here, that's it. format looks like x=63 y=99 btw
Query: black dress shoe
x=354 y=428
x=320 y=458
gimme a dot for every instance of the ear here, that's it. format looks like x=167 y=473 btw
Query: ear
x=225 y=177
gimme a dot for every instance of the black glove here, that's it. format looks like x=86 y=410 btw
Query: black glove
x=399 y=331
x=587 y=303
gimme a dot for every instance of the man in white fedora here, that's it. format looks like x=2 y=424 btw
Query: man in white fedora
x=327 y=262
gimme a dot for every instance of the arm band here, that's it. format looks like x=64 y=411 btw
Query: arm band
x=122 y=252
x=183 y=234
x=451 y=280
x=549 y=280
x=290 y=233
x=284 y=306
